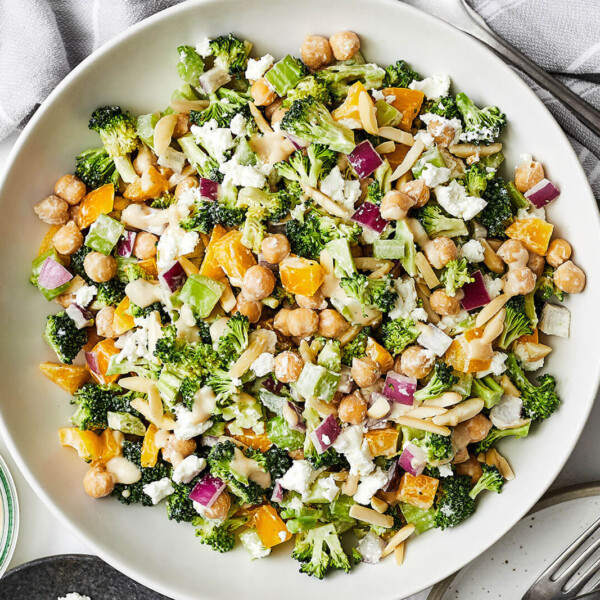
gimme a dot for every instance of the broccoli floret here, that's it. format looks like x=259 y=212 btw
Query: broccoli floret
x=488 y=390
x=76 y=265
x=96 y=168
x=444 y=107
x=329 y=459
x=93 y=401
x=374 y=193
x=201 y=219
x=223 y=385
x=311 y=121
x=234 y=339
x=296 y=168
x=320 y=550
x=499 y=212
x=545 y=287
x=224 y=105
x=480 y=124
x=117 y=130
x=309 y=86
x=400 y=75
x=496 y=434
x=137 y=312
x=220 y=462
x=357 y=348
x=275 y=461
x=373 y=293
x=264 y=206
x=455 y=275
x=322 y=161
x=231 y=54
x=437 y=222
x=133 y=272
x=134 y=493
x=540 y=401
x=398 y=333
x=179 y=506
x=219 y=535
x=454 y=503
x=110 y=293
x=63 y=337
x=442 y=380
x=437 y=448
x=339 y=78
x=476 y=179
x=166 y=200
x=516 y=322
x=490 y=480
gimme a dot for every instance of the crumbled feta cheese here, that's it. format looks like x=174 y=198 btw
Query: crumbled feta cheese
x=455 y=200
x=434 y=176
x=328 y=488
x=371 y=548
x=434 y=339
x=533 y=366
x=507 y=413
x=242 y=175
x=407 y=303
x=263 y=365
x=253 y=544
x=425 y=137
x=377 y=95
x=298 y=477
x=295 y=503
x=440 y=123
x=74 y=596
x=433 y=87
x=203 y=48
x=346 y=192
x=216 y=140
x=189 y=197
x=445 y=470
x=238 y=125
x=257 y=66
x=368 y=236
x=159 y=490
x=369 y=485
x=493 y=285
x=555 y=320
x=473 y=251
x=187 y=424
x=139 y=343
x=326 y=439
x=497 y=367
x=532 y=213
x=351 y=444
x=85 y=295
x=173 y=243
x=188 y=468
x=450 y=322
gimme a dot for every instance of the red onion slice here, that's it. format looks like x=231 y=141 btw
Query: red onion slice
x=207 y=490
x=326 y=434
x=92 y=362
x=364 y=159
x=80 y=316
x=277 y=495
x=476 y=294
x=542 y=193
x=394 y=476
x=53 y=274
x=209 y=188
x=125 y=244
x=400 y=388
x=173 y=277
x=369 y=215
x=413 y=460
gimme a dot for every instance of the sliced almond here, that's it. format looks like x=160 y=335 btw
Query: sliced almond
x=400 y=536
x=428 y=274
x=423 y=424
x=181 y=105
x=257 y=345
x=397 y=135
x=445 y=400
x=425 y=412
x=326 y=202
x=350 y=486
x=379 y=408
x=423 y=293
x=163 y=131
x=490 y=309
x=494 y=458
x=490 y=259
x=306 y=353
x=409 y=160
x=227 y=299
x=386 y=147
x=379 y=505
x=261 y=122
x=368 y=114
x=349 y=334
x=188 y=266
x=399 y=553
x=461 y=412
x=137 y=384
x=368 y=515
x=509 y=387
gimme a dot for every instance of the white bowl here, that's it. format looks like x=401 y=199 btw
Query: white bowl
x=138 y=71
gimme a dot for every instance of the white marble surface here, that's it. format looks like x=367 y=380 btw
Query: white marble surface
x=41 y=534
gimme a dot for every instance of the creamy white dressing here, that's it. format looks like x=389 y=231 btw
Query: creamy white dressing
x=143 y=293
x=249 y=468
x=123 y=471
x=143 y=217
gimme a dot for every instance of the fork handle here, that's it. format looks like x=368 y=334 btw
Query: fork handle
x=582 y=110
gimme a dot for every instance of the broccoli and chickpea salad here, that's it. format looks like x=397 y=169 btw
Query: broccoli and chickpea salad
x=308 y=301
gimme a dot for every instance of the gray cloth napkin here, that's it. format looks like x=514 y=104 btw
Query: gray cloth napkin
x=42 y=40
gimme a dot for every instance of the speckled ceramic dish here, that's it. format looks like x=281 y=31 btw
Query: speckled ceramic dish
x=9 y=516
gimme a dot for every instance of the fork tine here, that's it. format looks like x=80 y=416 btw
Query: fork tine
x=578 y=562
x=585 y=577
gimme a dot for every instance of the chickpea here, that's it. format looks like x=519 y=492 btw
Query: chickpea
x=176 y=450
x=472 y=468
x=513 y=253
x=445 y=305
x=74 y=213
x=278 y=115
x=519 y=281
x=353 y=408
x=288 y=366
x=262 y=93
x=416 y=362
x=316 y=52
x=249 y=308
x=536 y=263
x=569 y=278
x=273 y=107
x=219 y=509
x=68 y=239
x=395 y=205
x=182 y=126
x=345 y=44
x=165 y=172
x=365 y=371
x=184 y=185
x=418 y=191
x=104 y=322
x=528 y=174
x=52 y=210
x=440 y=251
x=144 y=245
x=302 y=322
x=99 y=268
x=258 y=283
x=98 y=482
x=70 y=188
x=559 y=252
x=316 y=302
x=280 y=322
x=332 y=324
x=275 y=248
x=443 y=133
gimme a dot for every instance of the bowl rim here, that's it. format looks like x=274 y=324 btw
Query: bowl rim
x=9 y=519
x=555 y=467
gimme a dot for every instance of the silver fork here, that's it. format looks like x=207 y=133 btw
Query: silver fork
x=471 y=22
x=549 y=586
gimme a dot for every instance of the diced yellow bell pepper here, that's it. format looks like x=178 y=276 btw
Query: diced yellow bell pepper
x=380 y=355
x=122 y=320
x=348 y=111
x=149 y=265
x=534 y=233
x=97 y=202
x=68 y=377
x=88 y=445
x=210 y=267
x=457 y=355
x=47 y=241
x=408 y=102
x=104 y=351
x=110 y=446
x=149 y=447
x=301 y=275
x=150 y=185
x=382 y=442
x=234 y=258
x=254 y=440
x=188 y=266
x=270 y=527
x=418 y=491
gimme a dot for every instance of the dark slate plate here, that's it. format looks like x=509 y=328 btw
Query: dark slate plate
x=55 y=576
